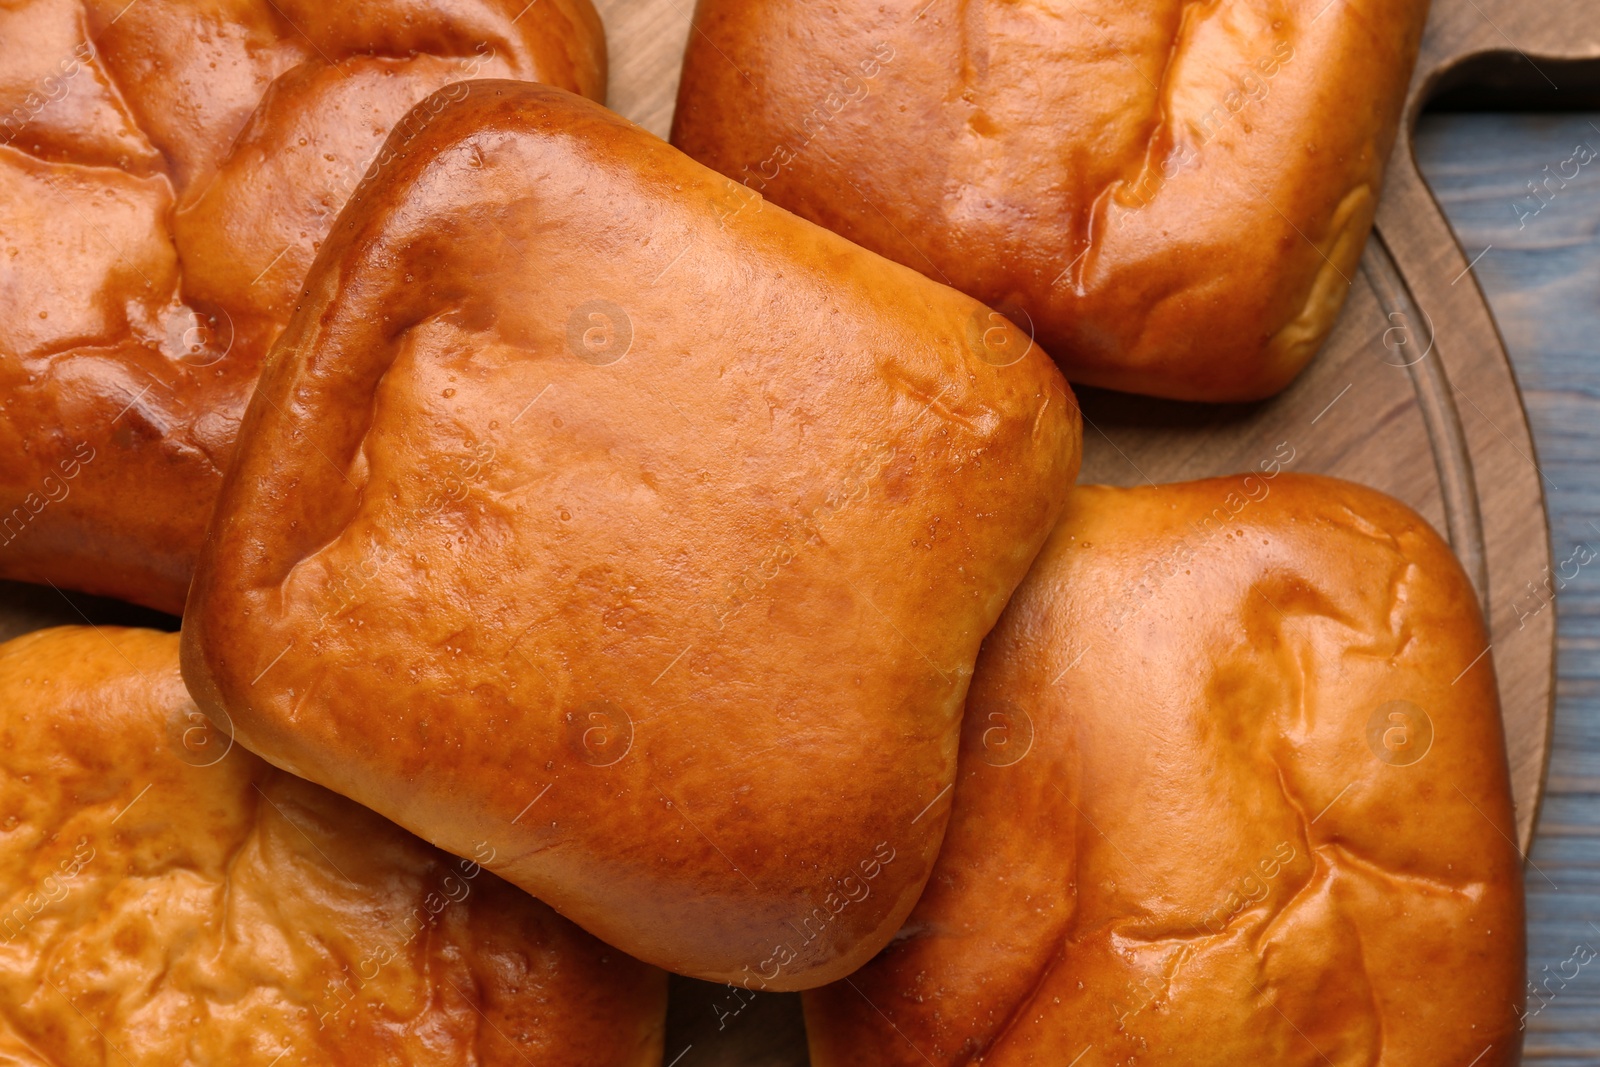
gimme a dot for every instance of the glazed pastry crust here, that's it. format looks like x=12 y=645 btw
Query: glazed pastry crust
x=171 y=899
x=1173 y=196
x=1188 y=827
x=167 y=173
x=648 y=538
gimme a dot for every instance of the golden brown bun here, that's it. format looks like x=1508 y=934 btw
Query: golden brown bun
x=167 y=172
x=650 y=541
x=171 y=899
x=1188 y=830
x=1175 y=194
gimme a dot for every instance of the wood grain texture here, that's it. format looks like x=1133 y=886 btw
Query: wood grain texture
x=645 y=40
x=1541 y=273
x=1486 y=42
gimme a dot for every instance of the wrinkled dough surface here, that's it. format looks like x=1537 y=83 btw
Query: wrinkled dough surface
x=1186 y=829
x=167 y=174
x=1171 y=195
x=171 y=899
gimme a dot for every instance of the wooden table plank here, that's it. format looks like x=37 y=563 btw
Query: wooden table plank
x=1541 y=274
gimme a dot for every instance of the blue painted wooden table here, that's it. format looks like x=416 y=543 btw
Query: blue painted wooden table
x=1536 y=234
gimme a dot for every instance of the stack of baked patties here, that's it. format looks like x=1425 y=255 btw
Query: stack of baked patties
x=703 y=584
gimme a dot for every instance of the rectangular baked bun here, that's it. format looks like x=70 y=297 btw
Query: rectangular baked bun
x=169 y=898
x=1171 y=197
x=590 y=509
x=1232 y=791
x=168 y=171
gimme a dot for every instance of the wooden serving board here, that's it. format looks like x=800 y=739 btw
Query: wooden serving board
x=1413 y=394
